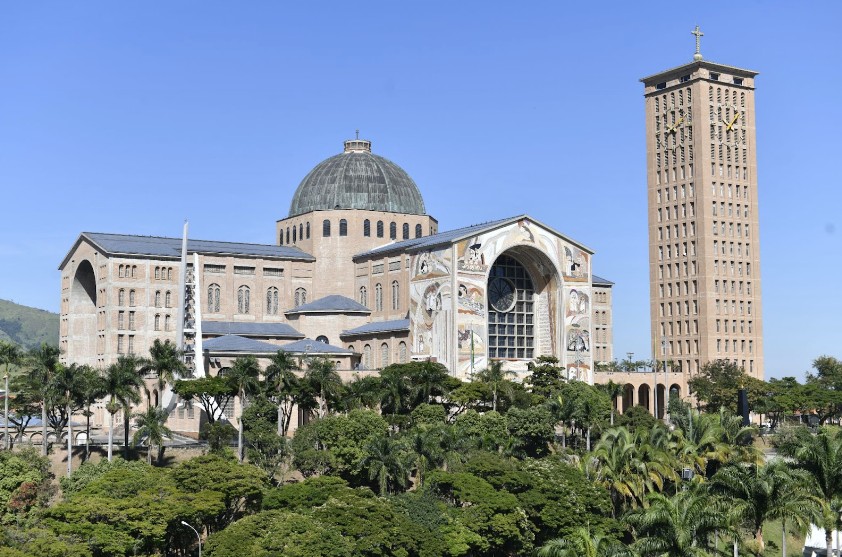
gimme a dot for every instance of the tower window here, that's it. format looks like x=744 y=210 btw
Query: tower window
x=380 y=229
x=662 y=85
x=308 y=230
x=272 y=301
x=364 y=296
x=366 y=227
x=213 y=298
x=378 y=297
x=418 y=230
x=343 y=227
x=300 y=297
x=393 y=231
x=738 y=81
x=406 y=231
x=243 y=299
x=326 y=228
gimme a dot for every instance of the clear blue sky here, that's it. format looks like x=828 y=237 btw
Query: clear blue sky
x=130 y=117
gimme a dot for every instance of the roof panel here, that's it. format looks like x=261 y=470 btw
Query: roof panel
x=331 y=304
x=378 y=327
x=249 y=329
x=236 y=343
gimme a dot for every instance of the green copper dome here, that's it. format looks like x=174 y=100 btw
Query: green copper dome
x=357 y=179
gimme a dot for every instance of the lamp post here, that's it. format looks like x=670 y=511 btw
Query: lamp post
x=198 y=537
x=666 y=377
x=6 y=440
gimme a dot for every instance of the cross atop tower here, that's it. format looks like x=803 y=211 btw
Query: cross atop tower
x=698 y=55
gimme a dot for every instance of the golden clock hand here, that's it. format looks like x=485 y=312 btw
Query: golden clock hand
x=736 y=117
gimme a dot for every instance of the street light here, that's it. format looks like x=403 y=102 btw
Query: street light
x=198 y=537
x=6 y=440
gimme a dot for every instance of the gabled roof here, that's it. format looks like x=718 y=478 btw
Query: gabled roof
x=170 y=248
x=236 y=343
x=330 y=304
x=394 y=325
x=451 y=236
x=313 y=347
x=249 y=329
x=600 y=281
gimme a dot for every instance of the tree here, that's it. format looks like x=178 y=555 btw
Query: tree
x=425 y=447
x=165 y=360
x=244 y=377
x=532 y=430
x=65 y=398
x=121 y=384
x=582 y=543
x=677 y=526
x=90 y=390
x=10 y=354
x=757 y=494
x=545 y=376
x=265 y=447
x=496 y=378
x=25 y=405
x=283 y=385
x=361 y=392
x=583 y=405
x=43 y=362
x=151 y=425
x=823 y=389
x=717 y=383
x=212 y=393
x=427 y=380
x=387 y=462
x=322 y=377
x=612 y=390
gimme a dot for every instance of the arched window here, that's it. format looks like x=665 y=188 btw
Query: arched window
x=322 y=339
x=169 y=273
x=157 y=273
x=366 y=227
x=294 y=234
x=326 y=228
x=272 y=301
x=396 y=295
x=393 y=231
x=418 y=230
x=121 y=297
x=134 y=271
x=120 y=271
x=131 y=298
x=308 y=230
x=168 y=299
x=157 y=298
x=402 y=355
x=281 y=238
x=243 y=299
x=300 y=297
x=157 y=322
x=213 y=298
x=367 y=356
x=378 y=297
x=406 y=231
x=380 y=229
x=384 y=355
x=167 y=323
x=287 y=239
x=343 y=227
x=364 y=296
x=510 y=310
x=300 y=231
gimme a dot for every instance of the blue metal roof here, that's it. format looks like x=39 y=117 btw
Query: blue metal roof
x=235 y=343
x=249 y=329
x=158 y=246
x=314 y=347
x=426 y=242
x=378 y=327
x=600 y=281
x=331 y=304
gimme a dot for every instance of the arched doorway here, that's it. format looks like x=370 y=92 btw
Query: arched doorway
x=643 y=397
x=628 y=397
x=662 y=399
x=81 y=324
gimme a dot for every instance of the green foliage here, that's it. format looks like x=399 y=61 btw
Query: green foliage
x=717 y=383
x=212 y=393
x=27 y=326
x=302 y=496
x=546 y=376
x=532 y=430
x=487 y=430
x=89 y=472
x=219 y=436
x=428 y=414
x=24 y=482
x=637 y=417
x=264 y=447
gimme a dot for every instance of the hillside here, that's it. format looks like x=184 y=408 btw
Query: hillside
x=27 y=326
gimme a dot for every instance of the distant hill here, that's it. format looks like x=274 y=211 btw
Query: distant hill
x=27 y=326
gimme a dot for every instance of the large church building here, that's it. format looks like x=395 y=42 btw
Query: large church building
x=358 y=272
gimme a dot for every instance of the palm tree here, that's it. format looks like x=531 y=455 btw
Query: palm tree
x=581 y=543
x=740 y=438
x=166 y=362
x=677 y=526
x=283 y=384
x=152 y=426
x=428 y=379
x=245 y=377
x=90 y=390
x=613 y=390
x=821 y=457
x=10 y=354
x=425 y=445
x=395 y=392
x=66 y=393
x=44 y=364
x=758 y=494
x=361 y=392
x=121 y=384
x=322 y=377
x=495 y=377
x=386 y=462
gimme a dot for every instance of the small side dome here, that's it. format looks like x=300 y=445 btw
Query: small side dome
x=357 y=179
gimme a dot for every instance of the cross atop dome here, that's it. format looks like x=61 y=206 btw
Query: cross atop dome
x=698 y=55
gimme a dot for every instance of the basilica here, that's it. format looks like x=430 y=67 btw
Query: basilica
x=358 y=272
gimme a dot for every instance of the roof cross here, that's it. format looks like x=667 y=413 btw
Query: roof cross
x=697 y=32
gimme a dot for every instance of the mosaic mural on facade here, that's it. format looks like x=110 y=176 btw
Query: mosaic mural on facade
x=431 y=305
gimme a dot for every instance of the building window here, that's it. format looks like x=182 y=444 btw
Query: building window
x=281 y=238
x=168 y=299
x=294 y=235
x=380 y=229
x=510 y=310
x=158 y=322
x=402 y=354
x=243 y=299
x=326 y=228
x=308 y=230
x=396 y=294
x=157 y=273
x=131 y=320
x=213 y=298
x=384 y=355
x=157 y=298
x=167 y=320
x=367 y=356
x=418 y=230
x=393 y=231
x=121 y=318
x=406 y=231
x=364 y=296
x=272 y=301
x=132 y=298
x=366 y=227
x=287 y=238
x=121 y=339
x=322 y=339
x=300 y=297
x=378 y=297
x=343 y=227
x=131 y=344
